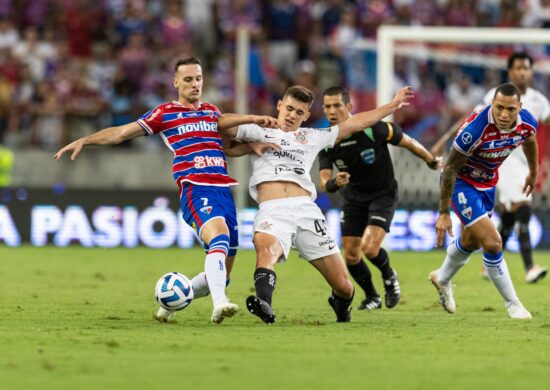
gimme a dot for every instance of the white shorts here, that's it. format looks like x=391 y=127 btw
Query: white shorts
x=512 y=174
x=296 y=222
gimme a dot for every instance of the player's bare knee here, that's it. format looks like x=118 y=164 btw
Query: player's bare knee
x=492 y=245
x=344 y=288
x=352 y=257
x=370 y=250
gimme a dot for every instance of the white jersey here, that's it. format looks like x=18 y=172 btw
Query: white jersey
x=293 y=162
x=514 y=169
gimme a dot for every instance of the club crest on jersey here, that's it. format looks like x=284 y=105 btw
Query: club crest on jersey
x=466 y=138
x=467 y=212
x=300 y=137
x=265 y=225
x=368 y=156
x=206 y=209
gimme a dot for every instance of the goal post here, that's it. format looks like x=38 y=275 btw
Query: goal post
x=389 y=35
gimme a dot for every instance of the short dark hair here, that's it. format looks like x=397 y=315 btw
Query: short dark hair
x=508 y=89
x=519 y=55
x=333 y=91
x=187 y=61
x=301 y=94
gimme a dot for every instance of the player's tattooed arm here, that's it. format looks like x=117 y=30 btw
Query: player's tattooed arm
x=420 y=151
x=108 y=136
x=365 y=119
x=455 y=161
x=444 y=224
x=531 y=151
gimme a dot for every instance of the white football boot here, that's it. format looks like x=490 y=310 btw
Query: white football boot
x=163 y=315
x=445 y=293
x=224 y=310
x=536 y=273
x=518 y=312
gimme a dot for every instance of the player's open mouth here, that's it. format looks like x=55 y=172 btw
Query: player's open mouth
x=288 y=123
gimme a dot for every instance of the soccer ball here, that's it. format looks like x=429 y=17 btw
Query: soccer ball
x=174 y=291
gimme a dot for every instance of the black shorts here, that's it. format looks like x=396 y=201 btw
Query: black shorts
x=355 y=216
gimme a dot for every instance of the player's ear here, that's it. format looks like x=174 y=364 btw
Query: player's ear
x=349 y=106
x=175 y=81
x=279 y=104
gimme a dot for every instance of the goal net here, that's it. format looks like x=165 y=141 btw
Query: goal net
x=450 y=69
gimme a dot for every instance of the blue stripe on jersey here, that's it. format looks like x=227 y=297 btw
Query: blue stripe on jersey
x=191 y=114
x=528 y=118
x=194 y=141
x=202 y=171
x=146 y=114
x=473 y=131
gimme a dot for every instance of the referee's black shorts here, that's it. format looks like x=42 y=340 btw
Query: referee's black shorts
x=355 y=216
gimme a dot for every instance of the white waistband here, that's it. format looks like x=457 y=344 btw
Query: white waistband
x=285 y=202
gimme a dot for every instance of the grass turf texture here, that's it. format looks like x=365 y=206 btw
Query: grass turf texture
x=81 y=318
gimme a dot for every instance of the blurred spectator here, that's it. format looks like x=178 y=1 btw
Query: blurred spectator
x=537 y=14
x=83 y=106
x=175 y=30
x=5 y=105
x=133 y=58
x=35 y=53
x=101 y=60
x=282 y=32
x=48 y=128
x=462 y=96
x=9 y=36
x=132 y=21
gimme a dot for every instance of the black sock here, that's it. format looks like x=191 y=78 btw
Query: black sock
x=382 y=262
x=341 y=306
x=361 y=274
x=523 y=215
x=265 y=281
x=507 y=221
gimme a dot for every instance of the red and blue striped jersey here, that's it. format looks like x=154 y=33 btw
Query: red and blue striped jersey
x=193 y=137
x=487 y=146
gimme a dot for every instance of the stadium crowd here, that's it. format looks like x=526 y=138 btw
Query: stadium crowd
x=70 y=66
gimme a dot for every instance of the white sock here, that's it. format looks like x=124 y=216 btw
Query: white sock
x=456 y=258
x=214 y=267
x=200 y=286
x=499 y=275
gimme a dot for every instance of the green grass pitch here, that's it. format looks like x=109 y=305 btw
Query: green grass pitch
x=81 y=318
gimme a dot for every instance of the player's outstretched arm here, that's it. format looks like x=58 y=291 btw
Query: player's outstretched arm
x=448 y=178
x=420 y=151
x=361 y=121
x=108 y=136
x=531 y=151
x=228 y=123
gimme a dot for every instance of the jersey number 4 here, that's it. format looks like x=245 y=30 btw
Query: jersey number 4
x=320 y=227
x=461 y=198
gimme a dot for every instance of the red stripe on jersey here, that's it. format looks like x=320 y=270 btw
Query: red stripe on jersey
x=209 y=179
x=192 y=208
